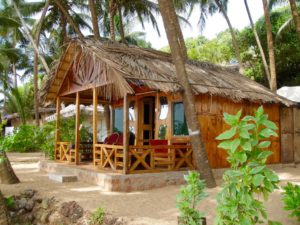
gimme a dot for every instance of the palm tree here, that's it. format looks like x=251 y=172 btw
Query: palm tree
x=168 y=13
x=262 y=53
x=273 y=82
x=94 y=16
x=296 y=17
x=7 y=174
x=235 y=42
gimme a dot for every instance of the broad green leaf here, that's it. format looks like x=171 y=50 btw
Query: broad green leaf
x=267 y=133
x=242 y=157
x=270 y=124
x=257 y=169
x=233 y=173
x=257 y=179
x=264 y=144
x=225 y=144
x=259 y=112
x=246 y=146
x=230 y=119
x=227 y=134
x=264 y=154
x=248 y=118
x=244 y=133
x=245 y=221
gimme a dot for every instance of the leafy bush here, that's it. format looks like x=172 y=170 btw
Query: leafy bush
x=24 y=139
x=189 y=198
x=248 y=177
x=97 y=217
x=291 y=200
x=28 y=138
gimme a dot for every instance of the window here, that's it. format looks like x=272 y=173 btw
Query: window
x=179 y=121
x=163 y=108
x=118 y=120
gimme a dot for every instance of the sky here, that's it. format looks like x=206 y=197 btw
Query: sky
x=215 y=24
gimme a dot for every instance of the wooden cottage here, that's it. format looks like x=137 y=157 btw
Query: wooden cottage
x=147 y=126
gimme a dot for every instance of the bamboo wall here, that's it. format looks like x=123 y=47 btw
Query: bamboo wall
x=210 y=111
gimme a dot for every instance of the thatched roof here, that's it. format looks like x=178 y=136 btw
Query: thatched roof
x=117 y=68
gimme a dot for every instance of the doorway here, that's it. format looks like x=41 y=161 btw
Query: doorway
x=146 y=120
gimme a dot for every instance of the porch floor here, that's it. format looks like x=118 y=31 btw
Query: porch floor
x=110 y=181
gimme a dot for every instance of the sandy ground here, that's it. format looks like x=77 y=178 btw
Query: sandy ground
x=150 y=207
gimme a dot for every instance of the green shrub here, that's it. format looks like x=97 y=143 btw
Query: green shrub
x=188 y=199
x=29 y=138
x=248 y=177
x=25 y=138
x=291 y=200
x=97 y=217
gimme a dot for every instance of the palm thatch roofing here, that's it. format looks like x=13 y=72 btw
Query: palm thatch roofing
x=116 y=68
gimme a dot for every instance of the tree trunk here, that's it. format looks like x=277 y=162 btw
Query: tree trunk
x=7 y=174
x=36 y=63
x=111 y=20
x=262 y=53
x=4 y=219
x=27 y=33
x=273 y=82
x=295 y=16
x=94 y=19
x=167 y=10
x=234 y=39
x=15 y=75
x=69 y=19
x=121 y=26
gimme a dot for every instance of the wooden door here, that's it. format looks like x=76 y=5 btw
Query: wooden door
x=146 y=120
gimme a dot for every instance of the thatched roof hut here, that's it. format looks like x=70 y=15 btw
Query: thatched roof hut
x=105 y=73
x=118 y=68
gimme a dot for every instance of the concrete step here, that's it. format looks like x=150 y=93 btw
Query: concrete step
x=62 y=178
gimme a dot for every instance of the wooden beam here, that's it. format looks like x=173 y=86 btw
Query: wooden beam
x=126 y=134
x=57 y=133
x=95 y=104
x=77 y=124
x=83 y=100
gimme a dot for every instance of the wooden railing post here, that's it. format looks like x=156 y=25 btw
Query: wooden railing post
x=77 y=124
x=57 y=133
x=95 y=104
x=126 y=134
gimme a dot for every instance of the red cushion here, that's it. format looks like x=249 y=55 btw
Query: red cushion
x=120 y=140
x=111 y=139
x=159 y=142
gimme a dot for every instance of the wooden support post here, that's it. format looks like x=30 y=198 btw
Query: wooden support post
x=57 y=133
x=77 y=124
x=126 y=134
x=111 y=120
x=95 y=104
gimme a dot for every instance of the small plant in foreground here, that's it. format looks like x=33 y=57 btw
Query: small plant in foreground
x=189 y=198
x=291 y=199
x=248 y=177
x=97 y=217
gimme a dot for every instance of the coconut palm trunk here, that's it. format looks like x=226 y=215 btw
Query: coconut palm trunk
x=4 y=219
x=295 y=16
x=234 y=39
x=94 y=19
x=7 y=174
x=261 y=50
x=167 y=10
x=36 y=63
x=112 y=12
x=70 y=20
x=273 y=82
x=121 y=25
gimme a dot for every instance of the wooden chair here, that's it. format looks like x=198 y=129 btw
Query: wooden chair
x=162 y=158
x=183 y=156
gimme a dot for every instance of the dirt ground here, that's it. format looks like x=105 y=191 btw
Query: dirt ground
x=152 y=207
